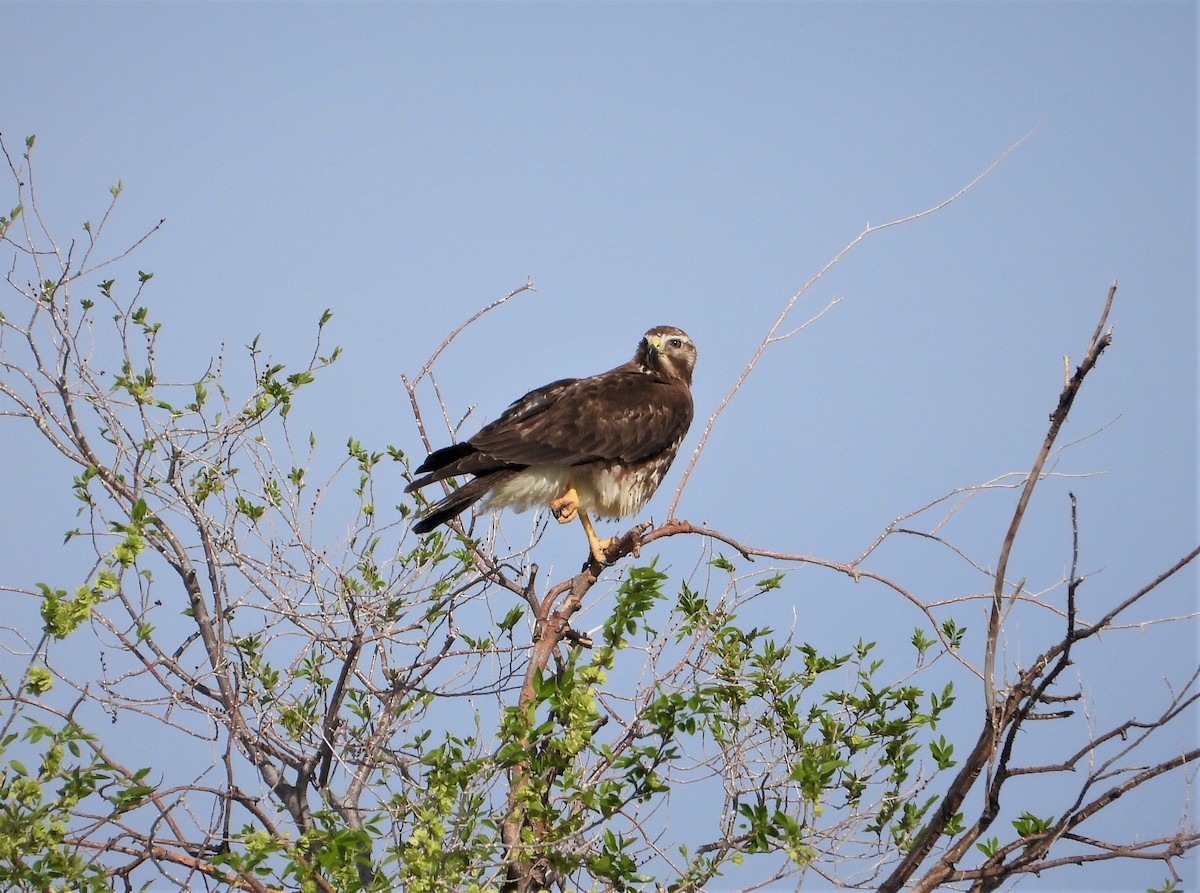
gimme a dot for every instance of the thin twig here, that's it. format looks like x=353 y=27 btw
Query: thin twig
x=770 y=337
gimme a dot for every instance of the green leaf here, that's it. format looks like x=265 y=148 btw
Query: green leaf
x=245 y=507
x=722 y=563
x=1027 y=824
x=39 y=682
x=920 y=641
x=766 y=584
x=511 y=618
x=942 y=751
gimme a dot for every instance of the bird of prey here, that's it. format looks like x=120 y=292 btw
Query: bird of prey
x=597 y=446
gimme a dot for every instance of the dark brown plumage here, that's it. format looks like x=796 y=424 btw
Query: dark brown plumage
x=598 y=445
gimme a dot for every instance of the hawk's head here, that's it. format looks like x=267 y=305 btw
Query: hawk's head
x=668 y=352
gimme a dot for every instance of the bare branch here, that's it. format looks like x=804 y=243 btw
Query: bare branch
x=771 y=337
x=1066 y=399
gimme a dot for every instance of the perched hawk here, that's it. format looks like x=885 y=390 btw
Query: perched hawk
x=583 y=446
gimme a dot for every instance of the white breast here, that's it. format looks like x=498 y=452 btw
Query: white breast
x=605 y=490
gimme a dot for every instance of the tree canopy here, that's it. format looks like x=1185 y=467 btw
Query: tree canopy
x=296 y=692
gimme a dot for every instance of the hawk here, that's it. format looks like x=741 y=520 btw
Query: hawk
x=597 y=446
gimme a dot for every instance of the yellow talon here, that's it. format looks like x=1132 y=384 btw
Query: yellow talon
x=598 y=546
x=565 y=507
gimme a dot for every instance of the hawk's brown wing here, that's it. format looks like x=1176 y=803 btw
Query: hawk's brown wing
x=623 y=415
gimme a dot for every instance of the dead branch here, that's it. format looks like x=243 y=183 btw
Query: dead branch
x=1096 y=346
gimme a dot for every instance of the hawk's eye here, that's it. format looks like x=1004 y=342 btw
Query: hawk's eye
x=675 y=343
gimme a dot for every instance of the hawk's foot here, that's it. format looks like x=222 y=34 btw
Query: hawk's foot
x=566 y=507
x=600 y=549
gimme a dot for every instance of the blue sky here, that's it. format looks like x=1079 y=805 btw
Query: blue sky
x=690 y=164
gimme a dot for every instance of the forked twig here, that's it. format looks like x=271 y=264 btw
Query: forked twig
x=771 y=337
x=1099 y=341
x=410 y=385
x=528 y=286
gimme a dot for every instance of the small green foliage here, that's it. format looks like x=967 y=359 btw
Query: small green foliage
x=275 y=392
x=612 y=861
x=38 y=681
x=1169 y=886
x=722 y=563
x=132 y=794
x=252 y=852
x=817 y=769
x=62 y=615
x=511 y=619
x=942 y=751
x=938 y=704
x=766 y=828
x=1029 y=825
x=989 y=847
x=766 y=584
x=139 y=385
x=641 y=588
x=35 y=851
x=245 y=507
x=201 y=393
x=127 y=551
x=6 y=222
x=921 y=642
x=140 y=315
x=954 y=634
x=206 y=482
x=954 y=825
x=906 y=821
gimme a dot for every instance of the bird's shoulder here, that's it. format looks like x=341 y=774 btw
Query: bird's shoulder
x=570 y=392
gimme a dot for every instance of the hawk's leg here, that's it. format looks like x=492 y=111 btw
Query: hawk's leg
x=566 y=507
x=597 y=545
